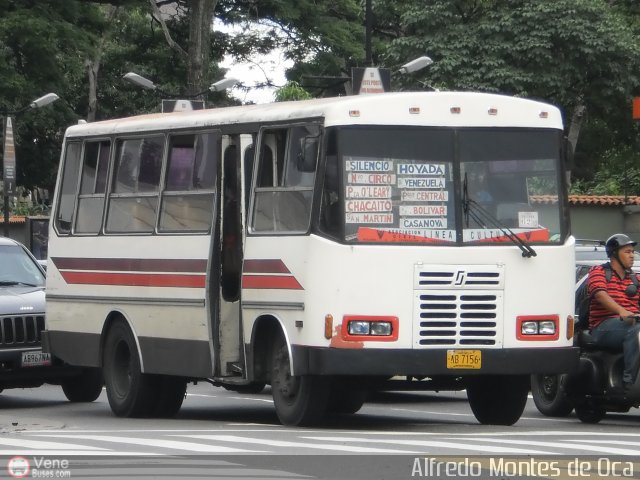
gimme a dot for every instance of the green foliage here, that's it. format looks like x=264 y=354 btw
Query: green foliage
x=617 y=174
x=567 y=52
x=292 y=91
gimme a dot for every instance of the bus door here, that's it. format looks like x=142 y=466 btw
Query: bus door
x=226 y=263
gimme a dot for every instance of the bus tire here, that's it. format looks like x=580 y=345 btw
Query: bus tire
x=85 y=387
x=498 y=399
x=171 y=392
x=344 y=399
x=590 y=414
x=299 y=400
x=548 y=395
x=130 y=392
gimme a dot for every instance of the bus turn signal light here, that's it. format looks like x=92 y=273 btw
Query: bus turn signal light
x=369 y=328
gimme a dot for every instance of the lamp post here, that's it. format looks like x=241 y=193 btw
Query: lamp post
x=145 y=83
x=415 y=65
x=9 y=153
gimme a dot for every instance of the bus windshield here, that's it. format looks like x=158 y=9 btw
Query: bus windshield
x=443 y=185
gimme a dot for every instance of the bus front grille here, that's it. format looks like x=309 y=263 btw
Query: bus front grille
x=16 y=331
x=458 y=319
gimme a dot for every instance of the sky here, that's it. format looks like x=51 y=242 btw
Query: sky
x=258 y=69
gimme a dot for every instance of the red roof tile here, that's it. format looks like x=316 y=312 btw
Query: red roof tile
x=596 y=200
x=14 y=219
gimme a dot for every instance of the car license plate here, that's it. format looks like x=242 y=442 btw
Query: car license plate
x=36 y=359
x=464 y=359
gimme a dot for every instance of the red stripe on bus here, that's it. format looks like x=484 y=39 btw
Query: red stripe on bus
x=274 y=282
x=134 y=279
x=264 y=266
x=131 y=264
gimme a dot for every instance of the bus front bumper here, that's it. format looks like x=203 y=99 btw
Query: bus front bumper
x=506 y=361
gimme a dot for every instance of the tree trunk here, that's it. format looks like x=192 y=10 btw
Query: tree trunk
x=200 y=25
x=574 y=131
x=93 y=66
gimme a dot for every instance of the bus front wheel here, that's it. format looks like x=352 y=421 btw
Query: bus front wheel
x=299 y=400
x=129 y=391
x=498 y=399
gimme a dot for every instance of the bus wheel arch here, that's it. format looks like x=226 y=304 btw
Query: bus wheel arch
x=113 y=317
x=129 y=391
x=265 y=330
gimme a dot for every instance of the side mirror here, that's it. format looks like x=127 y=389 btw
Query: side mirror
x=308 y=156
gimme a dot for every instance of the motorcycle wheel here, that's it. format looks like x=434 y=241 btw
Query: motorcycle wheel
x=548 y=395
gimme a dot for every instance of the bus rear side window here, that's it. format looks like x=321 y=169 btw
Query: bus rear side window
x=133 y=202
x=92 y=187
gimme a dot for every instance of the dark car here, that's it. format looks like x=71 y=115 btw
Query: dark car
x=22 y=320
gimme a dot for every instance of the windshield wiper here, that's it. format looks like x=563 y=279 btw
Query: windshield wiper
x=480 y=215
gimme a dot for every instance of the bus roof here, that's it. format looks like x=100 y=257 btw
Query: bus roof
x=448 y=109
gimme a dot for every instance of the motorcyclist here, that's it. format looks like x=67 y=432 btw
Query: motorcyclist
x=614 y=302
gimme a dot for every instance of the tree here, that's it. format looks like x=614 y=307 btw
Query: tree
x=41 y=51
x=580 y=55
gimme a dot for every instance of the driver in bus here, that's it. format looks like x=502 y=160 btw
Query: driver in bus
x=614 y=305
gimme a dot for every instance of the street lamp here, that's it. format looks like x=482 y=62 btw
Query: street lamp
x=218 y=86
x=415 y=65
x=9 y=153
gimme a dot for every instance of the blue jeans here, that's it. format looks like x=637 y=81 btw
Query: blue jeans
x=614 y=333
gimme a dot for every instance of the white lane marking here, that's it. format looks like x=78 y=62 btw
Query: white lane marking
x=280 y=443
x=90 y=453
x=150 y=442
x=564 y=444
x=14 y=441
x=434 y=443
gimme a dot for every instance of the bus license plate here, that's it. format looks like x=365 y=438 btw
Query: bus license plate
x=464 y=359
x=36 y=359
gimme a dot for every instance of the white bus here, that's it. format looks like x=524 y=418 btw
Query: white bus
x=326 y=248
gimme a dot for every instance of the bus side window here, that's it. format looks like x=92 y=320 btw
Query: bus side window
x=286 y=207
x=68 y=188
x=133 y=201
x=190 y=182
x=92 y=187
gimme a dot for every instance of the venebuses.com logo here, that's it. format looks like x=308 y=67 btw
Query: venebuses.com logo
x=18 y=467
x=38 y=467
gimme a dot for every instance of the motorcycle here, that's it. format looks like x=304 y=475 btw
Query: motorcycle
x=593 y=390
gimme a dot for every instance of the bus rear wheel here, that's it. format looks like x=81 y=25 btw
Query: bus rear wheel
x=170 y=395
x=498 y=399
x=130 y=392
x=299 y=400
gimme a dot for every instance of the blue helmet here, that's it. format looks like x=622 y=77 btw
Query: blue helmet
x=614 y=242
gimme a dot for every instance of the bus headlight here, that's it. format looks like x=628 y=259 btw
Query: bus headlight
x=369 y=328
x=537 y=327
x=359 y=327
